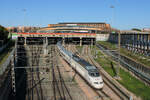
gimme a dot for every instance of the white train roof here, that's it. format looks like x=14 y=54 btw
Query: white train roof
x=81 y=61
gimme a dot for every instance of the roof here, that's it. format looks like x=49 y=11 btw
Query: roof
x=81 y=61
x=84 y=63
x=82 y=23
x=133 y=32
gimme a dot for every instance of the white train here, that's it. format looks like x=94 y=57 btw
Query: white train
x=89 y=72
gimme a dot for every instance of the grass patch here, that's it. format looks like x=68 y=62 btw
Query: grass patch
x=5 y=53
x=136 y=56
x=134 y=85
x=111 y=46
x=127 y=80
x=105 y=62
x=79 y=48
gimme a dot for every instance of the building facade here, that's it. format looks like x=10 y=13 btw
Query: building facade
x=93 y=26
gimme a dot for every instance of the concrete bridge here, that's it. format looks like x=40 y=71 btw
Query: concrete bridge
x=53 y=38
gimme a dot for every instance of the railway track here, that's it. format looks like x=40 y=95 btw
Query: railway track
x=119 y=92
x=101 y=94
x=35 y=81
x=125 y=63
x=60 y=89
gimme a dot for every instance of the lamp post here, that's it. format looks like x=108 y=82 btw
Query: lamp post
x=113 y=13
x=24 y=10
x=119 y=41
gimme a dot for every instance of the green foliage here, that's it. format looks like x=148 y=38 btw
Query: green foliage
x=3 y=33
x=136 y=29
x=5 y=53
x=135 y=56
x=105 y=62
x=79 y=48
x=109 y=45
x=127 y=80
x=134 y=85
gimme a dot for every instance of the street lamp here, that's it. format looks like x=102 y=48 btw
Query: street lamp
x=113 y=13
x=24 y=10
x=119 y=41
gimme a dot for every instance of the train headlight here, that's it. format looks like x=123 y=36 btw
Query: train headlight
x=101 y=82
x=95 y=82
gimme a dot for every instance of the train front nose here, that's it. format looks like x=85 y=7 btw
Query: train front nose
x=98 y=84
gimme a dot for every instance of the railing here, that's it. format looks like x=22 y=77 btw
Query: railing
x=136 y=71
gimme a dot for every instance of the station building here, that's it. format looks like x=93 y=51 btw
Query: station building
x=86 y=27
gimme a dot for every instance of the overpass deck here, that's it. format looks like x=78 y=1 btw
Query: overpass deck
x=53 y=38
x=92 y=35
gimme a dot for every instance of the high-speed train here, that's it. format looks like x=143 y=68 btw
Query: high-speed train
x=89 y=72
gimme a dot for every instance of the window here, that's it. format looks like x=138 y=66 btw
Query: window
x=97 y=74
x=94 y=74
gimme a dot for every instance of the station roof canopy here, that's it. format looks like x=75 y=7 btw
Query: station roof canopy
x=81 y=23
x=133 y=32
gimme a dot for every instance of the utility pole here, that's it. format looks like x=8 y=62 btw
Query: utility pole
x=113 y=13
x=24 y=10
x=119 y=41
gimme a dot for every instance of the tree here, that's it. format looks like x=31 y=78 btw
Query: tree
x=136 y=29
x=3 y=33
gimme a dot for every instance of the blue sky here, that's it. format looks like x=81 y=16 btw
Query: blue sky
x=127 y=14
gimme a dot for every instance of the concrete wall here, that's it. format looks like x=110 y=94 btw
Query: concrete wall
x=102 y=37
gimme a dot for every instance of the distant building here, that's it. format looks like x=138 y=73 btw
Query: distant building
x=22 y=29
x=146 y=29
x=96 y=27
x=94 y=24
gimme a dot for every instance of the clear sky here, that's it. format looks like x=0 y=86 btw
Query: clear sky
x=127 y=14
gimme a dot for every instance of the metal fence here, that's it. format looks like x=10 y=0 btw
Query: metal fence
x=4 y=66
x=136 y=71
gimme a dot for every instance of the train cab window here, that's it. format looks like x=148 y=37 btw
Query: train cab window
x=94 y=74
x=97 y=74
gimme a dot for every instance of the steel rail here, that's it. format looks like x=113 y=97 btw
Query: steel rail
x=123 y=95
x=55 y=81
x=62 y=80
x=101 y=94
x=137 y=72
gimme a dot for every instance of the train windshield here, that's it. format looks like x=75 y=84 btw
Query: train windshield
x=94 y=74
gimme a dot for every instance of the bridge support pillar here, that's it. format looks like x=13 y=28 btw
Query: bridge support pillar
x=25 y=40
x=80 y=41
x=63 y=41
x=91 y=42
x=46 y=40
x=45 y=43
